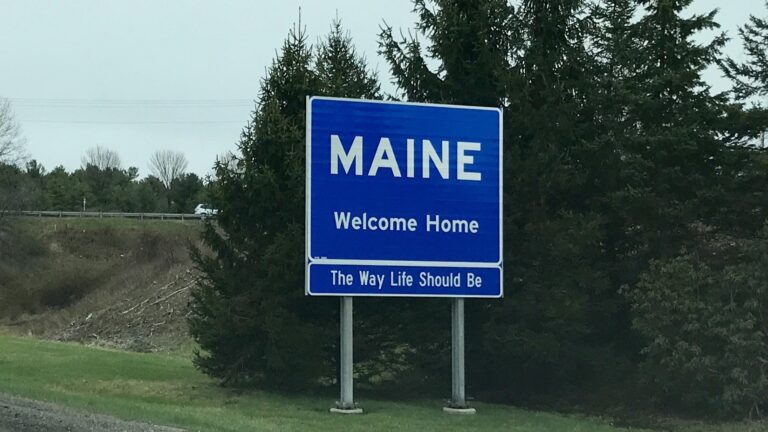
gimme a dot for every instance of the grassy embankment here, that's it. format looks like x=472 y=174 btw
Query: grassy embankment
x=53 y=263
x=166 y=389
x=75 y=278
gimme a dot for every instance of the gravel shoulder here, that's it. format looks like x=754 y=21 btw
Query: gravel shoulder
x=25 y=415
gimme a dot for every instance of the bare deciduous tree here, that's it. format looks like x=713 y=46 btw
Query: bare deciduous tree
x=12 y=144
x=167 y=165
x=101 y=157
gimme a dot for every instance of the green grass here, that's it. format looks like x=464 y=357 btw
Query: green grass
x=166 y=389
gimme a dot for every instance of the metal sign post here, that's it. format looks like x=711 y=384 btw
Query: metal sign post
x=346 y=404
x=458 y=396
x=403 y=200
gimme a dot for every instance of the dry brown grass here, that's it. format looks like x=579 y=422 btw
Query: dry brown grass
x=73 y=279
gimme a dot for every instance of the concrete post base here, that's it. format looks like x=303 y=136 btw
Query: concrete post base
x=347 y=410
x=451 y=410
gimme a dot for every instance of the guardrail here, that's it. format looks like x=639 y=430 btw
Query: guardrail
x=104 y=215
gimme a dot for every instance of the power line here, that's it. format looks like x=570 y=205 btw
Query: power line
x=57 y=102
x=135 y=104
x=148 y=122
x=132 y=100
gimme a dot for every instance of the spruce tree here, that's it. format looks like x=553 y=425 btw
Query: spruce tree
x=750 y=84
x=470 y=43
x=672 y=153
x=250 y=315
x=341 y=71
x=551 y=324
x=747 y=128
x=751 y=77
x=244 y=313
x=532 y=61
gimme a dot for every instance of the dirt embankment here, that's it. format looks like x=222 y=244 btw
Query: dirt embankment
x=117 y=283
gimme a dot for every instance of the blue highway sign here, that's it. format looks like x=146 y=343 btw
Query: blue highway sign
x=403 y=199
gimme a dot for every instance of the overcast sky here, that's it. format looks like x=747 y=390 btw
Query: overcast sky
x=142 y=75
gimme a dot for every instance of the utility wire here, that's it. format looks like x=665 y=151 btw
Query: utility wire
x=148 y=122
x=130 y=103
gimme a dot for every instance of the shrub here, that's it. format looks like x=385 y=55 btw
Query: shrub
x=16 y=297
x=702 y=315
x=69 y=283
x=150 y=245
x=89 y=241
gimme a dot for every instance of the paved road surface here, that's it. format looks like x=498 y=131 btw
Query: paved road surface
x=24 y=415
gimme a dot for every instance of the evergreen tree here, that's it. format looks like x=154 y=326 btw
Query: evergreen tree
x=183 y=192
x=341 y=72
x=686 y=184
x=151 y=195
x=751 y=77
x=552 y=323
x=17 y=191
x=250 y=315
x=531 y=61
x=472 y=42
x=748 y=127
x=66 y=191
x=674 y=151
x=750 y=83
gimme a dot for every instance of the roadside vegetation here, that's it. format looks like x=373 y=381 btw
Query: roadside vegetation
x=73 y=279
x=102 y=184
x=635 y=203
x=165 y=389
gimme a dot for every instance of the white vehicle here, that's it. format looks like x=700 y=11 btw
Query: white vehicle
x=205 y=210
